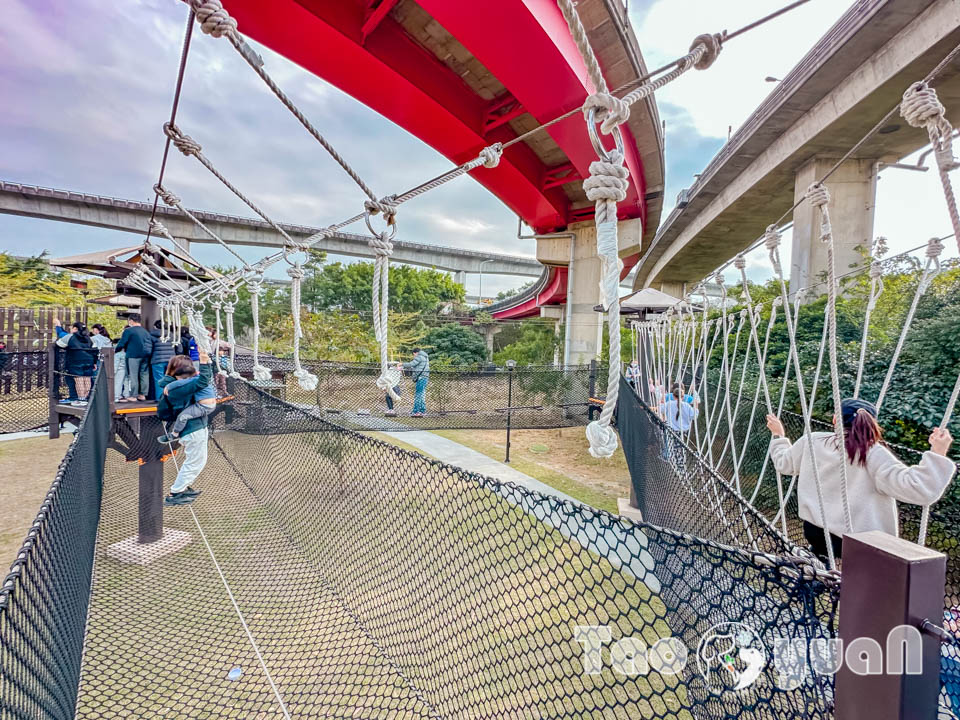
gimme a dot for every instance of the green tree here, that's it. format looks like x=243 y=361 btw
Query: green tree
x=504 y=294
x=528 y=343
x=350 y=287
x=455 y=344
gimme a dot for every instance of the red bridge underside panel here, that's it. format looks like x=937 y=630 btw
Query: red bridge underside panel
x=356 y=46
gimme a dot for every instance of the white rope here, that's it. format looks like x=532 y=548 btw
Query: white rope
x=228 y=309
x=930 y=270
x=217 y=305
x=921 y=108
x=819 y=197
x=382 y=245
x=876 y=288
x=306 y=379
x=772 y=242
x=260 y=373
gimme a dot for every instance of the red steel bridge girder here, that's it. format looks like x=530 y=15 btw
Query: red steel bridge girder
x=356 y=46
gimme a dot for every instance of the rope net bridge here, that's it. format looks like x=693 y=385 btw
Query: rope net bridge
x=327 y=574
x=480 y=397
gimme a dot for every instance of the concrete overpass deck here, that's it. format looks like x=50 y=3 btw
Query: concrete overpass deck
x=843 y=87
x=133 y=216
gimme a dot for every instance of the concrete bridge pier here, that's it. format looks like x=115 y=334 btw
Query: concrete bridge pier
x=460 y=277
x=853 y=192
x=583 y=292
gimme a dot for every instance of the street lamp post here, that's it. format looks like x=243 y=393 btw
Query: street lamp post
x=511 y=364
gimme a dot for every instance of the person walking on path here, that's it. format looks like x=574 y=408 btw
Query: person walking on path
x=876 y=479
x=159 y=357
x=80 y=360
x=137 y=343
x=195 y=434
x=419 y=369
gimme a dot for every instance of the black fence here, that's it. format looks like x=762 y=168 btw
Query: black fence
x=44 y=598
x=472 y=397
x=23 y=390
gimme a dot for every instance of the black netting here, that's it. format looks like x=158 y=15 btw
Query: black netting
x=23 y=390
x=752 y=475
x=380 y=584
x=476 y=397
x=44 y=599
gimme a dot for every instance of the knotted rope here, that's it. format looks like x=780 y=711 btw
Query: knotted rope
x=819 y=197
x=921 y=108
x=260 y=372
x=228 y=309
x=217 y=305
x=306 y=379
x=382 y=245
x=876 y=289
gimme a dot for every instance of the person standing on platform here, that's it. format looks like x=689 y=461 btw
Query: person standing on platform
x=81 y=360
x=419 y=368
x=159 y=357
x=188 y=347
x=138 y=345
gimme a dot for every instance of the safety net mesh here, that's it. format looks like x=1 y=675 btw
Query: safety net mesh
x=23 y=390
x=378 y=583
x=463 y=397
x=44 y=598
x=702 y=483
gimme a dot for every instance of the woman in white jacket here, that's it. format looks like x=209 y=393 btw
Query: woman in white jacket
x=876 y=478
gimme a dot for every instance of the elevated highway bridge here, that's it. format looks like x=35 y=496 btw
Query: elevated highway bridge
x=842 y=88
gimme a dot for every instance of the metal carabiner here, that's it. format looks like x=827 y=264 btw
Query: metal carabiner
x=393 y=228
x=601 y=151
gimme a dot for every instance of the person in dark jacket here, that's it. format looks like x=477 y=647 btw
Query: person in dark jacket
x=194 y=435
x=80 y=360
x=188 y=347
x=159 y=357
x=138 y=345
x=419 y=368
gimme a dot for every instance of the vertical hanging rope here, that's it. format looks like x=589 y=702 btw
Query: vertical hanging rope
x=228 y=309
x=382 y=245
x=772 y=242
x=306 y=379
x=819 y=197
x=217 y=305
x=260 y=373
x=876 y=288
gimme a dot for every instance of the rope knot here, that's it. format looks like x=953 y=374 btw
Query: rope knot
x=387 y=206
x=712 y=45
x=228 y=308
x=295 y=272
x=216 y=305
x=381 y=245
x=491 y=155
x=608 y=179
x=612 y=111
x=719 y=279
x=213 y=19
x=184 y=143
x=778 y=301
x=740 y=262
x=771 y=238
x=157 y=228
x=168 y=197
x=818 y=195
x=876 y=270
x=934 y=248
x=920 y=106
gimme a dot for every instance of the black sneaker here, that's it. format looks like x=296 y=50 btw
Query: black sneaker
x=190 y=492
x=178 y=499
x=167 y=439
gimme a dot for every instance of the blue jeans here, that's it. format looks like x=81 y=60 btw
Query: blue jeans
x=420 y=396
x=159 y=370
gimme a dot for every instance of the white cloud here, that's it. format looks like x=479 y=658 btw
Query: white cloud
x=465 y=225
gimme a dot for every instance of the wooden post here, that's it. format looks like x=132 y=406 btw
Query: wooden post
x=150 y=492
x=53 y=393
x=107 y=358
x=889 y=583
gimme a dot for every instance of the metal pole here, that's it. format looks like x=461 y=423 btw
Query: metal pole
x=510 y=365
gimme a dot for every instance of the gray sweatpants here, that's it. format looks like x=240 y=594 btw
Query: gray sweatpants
x=190 y=412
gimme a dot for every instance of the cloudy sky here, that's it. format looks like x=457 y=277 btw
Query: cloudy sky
x=84 y=91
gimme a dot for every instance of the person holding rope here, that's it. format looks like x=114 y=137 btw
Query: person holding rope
x=419 y=368
x=876 y=478
x=186 y=401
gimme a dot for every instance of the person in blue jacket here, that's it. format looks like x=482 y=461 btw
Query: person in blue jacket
x=188 y=347
x=80 y=361
x=138 y=345
x=174 y=399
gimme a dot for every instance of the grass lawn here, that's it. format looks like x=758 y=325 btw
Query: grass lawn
x=560 y=458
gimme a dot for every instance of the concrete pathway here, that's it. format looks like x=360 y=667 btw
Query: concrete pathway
x=453 y=453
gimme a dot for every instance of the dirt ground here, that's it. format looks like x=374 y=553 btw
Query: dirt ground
x=560 y=458
x=27 y=468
